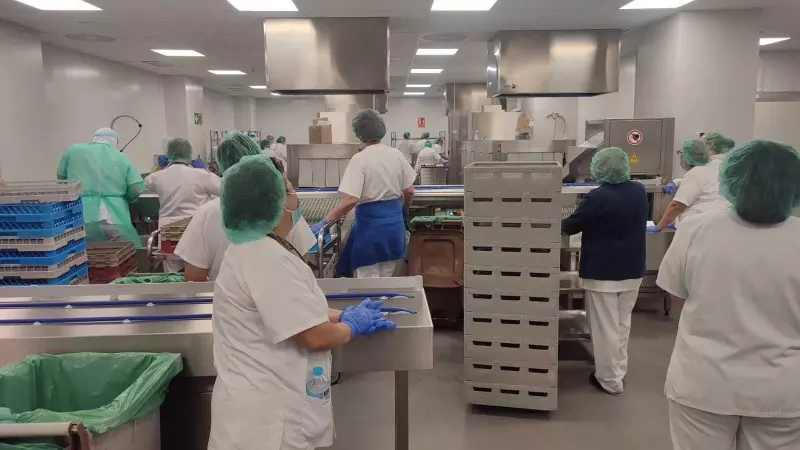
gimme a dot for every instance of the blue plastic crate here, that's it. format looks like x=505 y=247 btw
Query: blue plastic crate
x=47 y=258
x=76 y=272
x=39 y=212
x=50 y=228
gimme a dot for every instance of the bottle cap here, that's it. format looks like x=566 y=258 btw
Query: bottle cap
x=317 y=371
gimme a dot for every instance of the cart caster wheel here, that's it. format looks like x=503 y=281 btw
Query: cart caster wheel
x=336 y=378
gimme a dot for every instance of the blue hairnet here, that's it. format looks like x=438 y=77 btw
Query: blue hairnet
x=762 y=181
x=233 y=147
x=252 y=200
x=106 y=135
x=179 y=149
x=719 y=143
x=610 y=165
x=368 y=125
x=695 y=153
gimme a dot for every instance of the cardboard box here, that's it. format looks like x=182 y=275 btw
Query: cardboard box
x=320 y=134
x=321 y=121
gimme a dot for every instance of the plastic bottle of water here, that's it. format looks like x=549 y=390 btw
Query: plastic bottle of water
x=318 y=385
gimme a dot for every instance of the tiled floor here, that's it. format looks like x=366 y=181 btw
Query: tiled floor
x=586 y=418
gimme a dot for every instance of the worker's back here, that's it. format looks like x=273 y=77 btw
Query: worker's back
x=103 y=170
x=182 y=190
x=378 y=172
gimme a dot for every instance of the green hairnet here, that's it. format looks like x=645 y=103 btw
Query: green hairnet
x=252 y=200
x=407 y=135
x=281 y=140
x=610 y=165
x=719 y=143
x=368 y=125
x=179 y=149
x=427 y=144
x=264 y=144
x=233 y=147
x=762 y=181
x=695 y=152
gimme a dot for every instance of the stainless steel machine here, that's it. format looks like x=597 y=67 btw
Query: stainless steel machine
x=176 y=318
x=318 y=165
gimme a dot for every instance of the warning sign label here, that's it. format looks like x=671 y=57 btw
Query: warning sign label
x=634 y=159
x=635 y=137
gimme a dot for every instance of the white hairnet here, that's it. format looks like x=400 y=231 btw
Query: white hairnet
x=106 y=135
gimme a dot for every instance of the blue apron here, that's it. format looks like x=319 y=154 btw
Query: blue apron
x=378 y=235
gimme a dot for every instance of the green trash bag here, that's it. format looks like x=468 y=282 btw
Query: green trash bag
x=149 y=278
x=101 y=390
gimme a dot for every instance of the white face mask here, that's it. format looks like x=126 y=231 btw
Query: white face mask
x=301 y=237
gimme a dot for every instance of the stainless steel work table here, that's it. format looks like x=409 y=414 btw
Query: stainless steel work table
x=186 y=328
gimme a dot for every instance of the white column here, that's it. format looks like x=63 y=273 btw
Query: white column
x=244 y=113
x=700 y=67
x=183 y=97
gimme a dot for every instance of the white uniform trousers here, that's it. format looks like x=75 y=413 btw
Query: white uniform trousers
x=693 y=429
x=610 y=324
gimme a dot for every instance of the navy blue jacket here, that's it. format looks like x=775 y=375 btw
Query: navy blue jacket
x=613 y=219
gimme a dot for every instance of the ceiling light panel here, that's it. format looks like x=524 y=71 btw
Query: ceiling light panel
x=258 y=87
x=60 y=5
x=178 y=53
x=418 y=86
x=263 y=5
x=768 y=41
x=656 y=4
x=227 y=72
x=462 y=5
x=428 y=71
x=413 y=93
x=275 y=94
x=437 y=51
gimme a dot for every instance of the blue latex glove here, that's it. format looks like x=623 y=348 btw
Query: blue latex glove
x=672 y=225
x=671 y=188
x=365 y=318
x=317 y=227
x=652 y=229
x=198 y=163
x=163 y=161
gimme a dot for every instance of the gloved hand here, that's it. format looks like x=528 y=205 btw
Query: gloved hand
x=163 y=161
x=365 y=318
x=652 y=229
x=318 y=226
x=672 y=225
x=671 y=188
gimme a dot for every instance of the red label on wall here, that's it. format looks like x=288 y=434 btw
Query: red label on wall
x=421 y=122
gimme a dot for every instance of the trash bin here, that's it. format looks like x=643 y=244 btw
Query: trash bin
x=115 y=396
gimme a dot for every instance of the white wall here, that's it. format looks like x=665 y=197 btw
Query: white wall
x=198 y=133
x=24 y=155
x=778 y=121
x=616 y=105
x=546 y=129
x=779 y=72
x=403 y=114
x=85 y=93
x=217 y=111
x=288 y=117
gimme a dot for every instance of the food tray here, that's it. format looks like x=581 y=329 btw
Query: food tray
x=43 y=271
x=39 y=212
x=46 y=258
x=175 y=229
x=109 y=254
x=40 y=191
x=73 y=268
x=101 y=275
x=45 y=244
x=48 y=228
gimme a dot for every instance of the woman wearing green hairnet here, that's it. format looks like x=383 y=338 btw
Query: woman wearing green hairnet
x=734 y=376
x=273 y=330
x=612 y=219
x=699 y=190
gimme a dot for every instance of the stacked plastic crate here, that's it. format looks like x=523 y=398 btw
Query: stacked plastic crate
x=110 y=260
x=171 y=234
x=512 y=260
x=42 y=238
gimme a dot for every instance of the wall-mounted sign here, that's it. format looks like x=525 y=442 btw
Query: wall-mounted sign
x=198 y=118
x=635 y=137
x=421 y=122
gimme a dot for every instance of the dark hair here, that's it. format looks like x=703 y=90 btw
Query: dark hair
x=278 y=165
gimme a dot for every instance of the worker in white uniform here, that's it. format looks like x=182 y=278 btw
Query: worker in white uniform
x=273 y=330
x=612 y=218
x=699 y=190
x=203 y=244
x=181 y=189
x=406 y=147
x=429 y=157
x=734 y=377
x=438 y=147
x=418 y=146
x=379 y=184
x=278 y=151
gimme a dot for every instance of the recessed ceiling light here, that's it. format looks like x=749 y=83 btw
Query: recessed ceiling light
x=258 y=87
x=263 y=5
x=275 y=94
x=418 y=85
x=413 y=93
x=60 y=5
x=227 y=72
x=462 y=5
x=426 y=70
x=436 y=51
x=656 y=4
x=186 y=53
x=768 y=41
x=491 y=69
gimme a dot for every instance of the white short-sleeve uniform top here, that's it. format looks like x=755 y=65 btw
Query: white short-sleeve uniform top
x=406 y=147
x=378 y=172
x=204 y=242
x=419 y=145
x=278 y=151
x=264 y=296
x=182 y=190
x=699 y=189
x=428 y=157
x=738 y=346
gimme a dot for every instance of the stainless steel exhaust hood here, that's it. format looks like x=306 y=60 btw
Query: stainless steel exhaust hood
x=323 y=56
x=570 y=63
